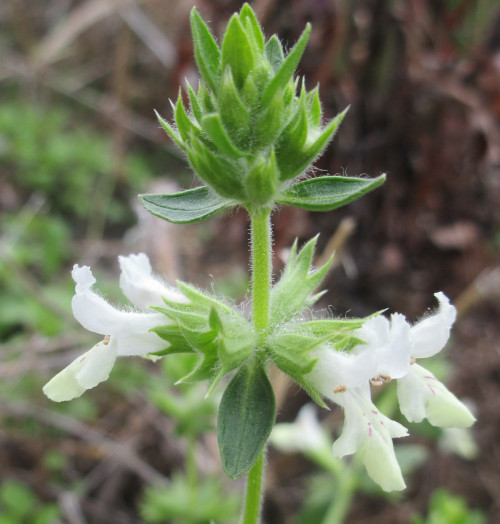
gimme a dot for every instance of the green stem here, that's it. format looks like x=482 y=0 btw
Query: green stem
x=261 y=270
x=254 y=488
x=261 y=293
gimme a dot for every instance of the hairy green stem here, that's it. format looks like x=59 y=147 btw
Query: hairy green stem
x=261 y=270
x=261 y=293
x=254 y=488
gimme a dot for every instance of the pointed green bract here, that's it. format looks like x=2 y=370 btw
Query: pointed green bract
x=292 y=293
x=222 y=337
x=170 y=131
x=211 y=124
x=206 y=50
x=216 y=170
x=294 y=135
x=274 y=53
x=268 y=124
x=186 y=207
x=287 y=69
x=262 y=181
x=246 y=417
x=184 y=124
x=194 y=105
x=250 y=22
x=314 y=110
x=294 y=162
x=235 y=116
x=237 y=52
x=328 y=192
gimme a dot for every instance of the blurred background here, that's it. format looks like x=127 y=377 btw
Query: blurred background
x=78 y=140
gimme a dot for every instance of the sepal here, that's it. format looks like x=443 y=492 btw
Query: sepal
x=237 y=51
x=211 y=124
x=206 y=50
x=262 y=181
x=292 y=347
x=287 y=68
x=274 y=53
x=204 y=325
x=292 y=164
x=235 y=115
x=292 y=293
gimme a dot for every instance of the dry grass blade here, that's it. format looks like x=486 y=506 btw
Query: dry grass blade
x=81 y=18
x=149 y=33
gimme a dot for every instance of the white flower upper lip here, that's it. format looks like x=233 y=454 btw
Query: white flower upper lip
x=128 y=329
x=141 y=287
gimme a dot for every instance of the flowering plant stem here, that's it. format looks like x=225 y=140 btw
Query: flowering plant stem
x=261 y=270
x=261 y=259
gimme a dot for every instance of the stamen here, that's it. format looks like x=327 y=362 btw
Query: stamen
x=379 y=380
x=106 y=340
x=340 y=389
x=412 y=361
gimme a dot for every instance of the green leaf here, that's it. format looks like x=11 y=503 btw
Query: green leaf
x=212 y=126
x=246 y=418
x=292 y=293
x=188 y=206
x=237 y=52
x=206 y=51
x=328 y=192
x=274 y=53
x=288 y=67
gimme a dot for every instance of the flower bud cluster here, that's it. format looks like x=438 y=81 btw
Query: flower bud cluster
x=247 y=132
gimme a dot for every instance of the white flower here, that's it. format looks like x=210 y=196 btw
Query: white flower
x=388 y=343
x=141 y=287
x=126 y=333
x=344 y=379
x=420 y=394
x=304 y=434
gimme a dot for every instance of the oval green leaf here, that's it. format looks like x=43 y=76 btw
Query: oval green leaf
x=328 y=192
x=185 y=207
x=246 y=418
